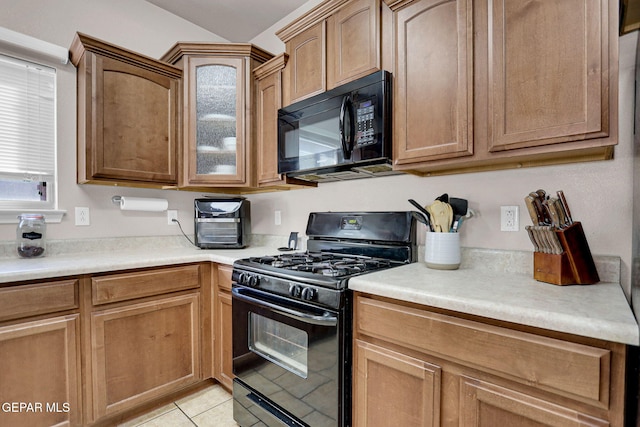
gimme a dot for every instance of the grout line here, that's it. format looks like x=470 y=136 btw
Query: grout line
x=142 y=423
x=188 y=417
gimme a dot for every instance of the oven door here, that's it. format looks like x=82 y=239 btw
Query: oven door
x=286 y=361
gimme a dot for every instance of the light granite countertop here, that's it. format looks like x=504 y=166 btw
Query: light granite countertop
x=492 y=284
x=498 y=286
x=70 y=258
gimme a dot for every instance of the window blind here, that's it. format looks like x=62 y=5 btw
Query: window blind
x=27 y=120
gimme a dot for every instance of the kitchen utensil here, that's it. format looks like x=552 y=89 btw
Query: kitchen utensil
x=459 y=206
x=562 y=216
x=530 y=203
x=542 y=213
x=424 y=212
x=441 y=216
x=565 y=207
x=443 y=198
x=532 y=237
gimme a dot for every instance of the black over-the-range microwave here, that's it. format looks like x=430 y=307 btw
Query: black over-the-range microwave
x=344 y=133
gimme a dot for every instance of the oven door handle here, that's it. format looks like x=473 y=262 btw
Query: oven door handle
x=327 y=319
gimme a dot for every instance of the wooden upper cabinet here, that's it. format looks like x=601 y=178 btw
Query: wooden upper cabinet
x=268 y=100
x=128 y=115
x=305 y=75
x=336 y=42
x=218 y=99
x=483 y=85
x=353 y=40
x=548 y=72
x=433 y=92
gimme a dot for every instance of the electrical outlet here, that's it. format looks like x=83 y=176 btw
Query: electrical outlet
x=278 y=217
x=82 y=216
x=509 y=218
x=171 y=215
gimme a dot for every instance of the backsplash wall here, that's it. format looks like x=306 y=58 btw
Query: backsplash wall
x=600 y=193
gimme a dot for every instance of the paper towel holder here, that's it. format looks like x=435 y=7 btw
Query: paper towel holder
x=116 y=200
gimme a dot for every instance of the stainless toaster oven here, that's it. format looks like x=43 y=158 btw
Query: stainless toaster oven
x=222 y=222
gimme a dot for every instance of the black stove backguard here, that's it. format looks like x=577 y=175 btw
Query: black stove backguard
x=389 y=235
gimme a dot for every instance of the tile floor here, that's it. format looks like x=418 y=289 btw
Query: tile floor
x=210 y=407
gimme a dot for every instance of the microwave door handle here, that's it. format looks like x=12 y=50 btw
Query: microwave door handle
x=325 y=320
x=346 y=128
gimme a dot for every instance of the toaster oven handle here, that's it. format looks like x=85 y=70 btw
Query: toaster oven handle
x=347 y=129
x=326 y=319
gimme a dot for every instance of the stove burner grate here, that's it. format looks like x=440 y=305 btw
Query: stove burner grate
x=326 y=264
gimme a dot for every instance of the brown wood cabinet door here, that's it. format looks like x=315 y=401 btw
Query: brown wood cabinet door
x=548 y=72
x=433 y=89
x=353 y=40
x=223 y=340
x=393 y=389
x=305 y=74
x=142 y=351
x=134 y=125
x=487 y=405
x=40 y=366
x=268 y=101
x=215 y=139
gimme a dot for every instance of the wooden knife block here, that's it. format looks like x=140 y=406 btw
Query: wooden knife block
x=574 y=266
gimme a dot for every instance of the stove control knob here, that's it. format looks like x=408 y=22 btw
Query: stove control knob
x=253 y=281
x=295 y=291
x=242 y=278
x=309 y=294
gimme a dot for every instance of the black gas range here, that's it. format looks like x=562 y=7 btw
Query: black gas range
x=292 y=317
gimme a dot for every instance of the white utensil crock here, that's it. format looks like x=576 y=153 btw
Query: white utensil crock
x=442 y=250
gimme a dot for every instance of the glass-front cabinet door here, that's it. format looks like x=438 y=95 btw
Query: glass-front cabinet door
x=215 y=146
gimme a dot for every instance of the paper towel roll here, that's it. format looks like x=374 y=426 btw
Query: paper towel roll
x=143 y=204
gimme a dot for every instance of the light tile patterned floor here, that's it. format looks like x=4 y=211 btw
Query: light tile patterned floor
x=211 y=407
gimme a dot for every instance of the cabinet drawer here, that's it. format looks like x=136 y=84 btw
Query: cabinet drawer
x=31 y=300
x=224 y=277
x=126 y=286
x=575 y=370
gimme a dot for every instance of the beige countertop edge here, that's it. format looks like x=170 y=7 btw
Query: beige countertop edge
x=598 y=311
x=18 y=269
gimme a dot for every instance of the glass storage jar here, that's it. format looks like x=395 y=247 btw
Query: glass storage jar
x=30 y=235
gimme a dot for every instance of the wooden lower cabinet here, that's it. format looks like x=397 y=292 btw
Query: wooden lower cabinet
x=223 y=338
x=142 y=351
x=40 y=373
x=484 y=404
x=391 y=388
x=414 y=366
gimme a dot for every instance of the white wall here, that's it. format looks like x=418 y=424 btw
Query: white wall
x=600 y=193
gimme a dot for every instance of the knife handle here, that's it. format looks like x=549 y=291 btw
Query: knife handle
x=562 y=217
x=530 y=203
x=565 y=207
x=552 y=211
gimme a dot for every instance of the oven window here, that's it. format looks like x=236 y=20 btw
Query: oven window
x=282 y=344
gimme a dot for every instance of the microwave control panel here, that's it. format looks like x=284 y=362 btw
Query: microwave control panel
x=365 y=132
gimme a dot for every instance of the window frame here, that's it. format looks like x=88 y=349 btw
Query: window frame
x=11 y=209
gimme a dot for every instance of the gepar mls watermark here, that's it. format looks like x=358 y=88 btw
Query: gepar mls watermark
x=34 y=407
